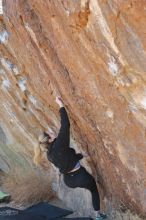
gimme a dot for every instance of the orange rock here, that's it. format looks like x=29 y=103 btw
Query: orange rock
x=93 y=54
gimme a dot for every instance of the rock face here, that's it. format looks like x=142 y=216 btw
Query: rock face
x=93 y=54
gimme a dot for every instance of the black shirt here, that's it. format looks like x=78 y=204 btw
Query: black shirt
x=59 y=153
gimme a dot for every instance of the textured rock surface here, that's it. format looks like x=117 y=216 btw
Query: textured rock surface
x=93 y=54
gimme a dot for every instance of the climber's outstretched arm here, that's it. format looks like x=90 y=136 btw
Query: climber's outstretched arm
x=64 y=132
x=65 y=124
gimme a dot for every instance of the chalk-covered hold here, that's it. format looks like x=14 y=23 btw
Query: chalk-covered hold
x=5 y=84
x=7 y=64
x=113 y=66
x=33 y=100
x=15 y=71
x=109 y=113
x=4 y=35
x=22 y=83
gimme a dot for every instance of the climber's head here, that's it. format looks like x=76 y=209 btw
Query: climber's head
x=43 y=138
x=46 y=138
x=44 y=142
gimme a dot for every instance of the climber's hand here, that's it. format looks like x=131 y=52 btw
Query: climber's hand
x=85 y=154
x=59 y=101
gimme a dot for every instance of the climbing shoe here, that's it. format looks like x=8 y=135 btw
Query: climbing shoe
x=101 y=217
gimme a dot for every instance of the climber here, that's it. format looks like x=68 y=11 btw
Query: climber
x=67 y=160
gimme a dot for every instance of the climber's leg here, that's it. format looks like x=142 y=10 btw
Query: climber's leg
x=81 y=178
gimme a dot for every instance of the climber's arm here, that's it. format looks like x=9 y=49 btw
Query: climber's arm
x=65 y=124
x=64 y=132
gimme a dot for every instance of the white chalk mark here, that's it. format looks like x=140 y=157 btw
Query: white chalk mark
x=5 y=84
x=113 y=66
x=15 y=71
x=139 y=98
x=143 y=102
x=4 y=35
x=1 y=7
x=22 y=83
x=7 y=64
x=33 y=100
x=109 y=113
